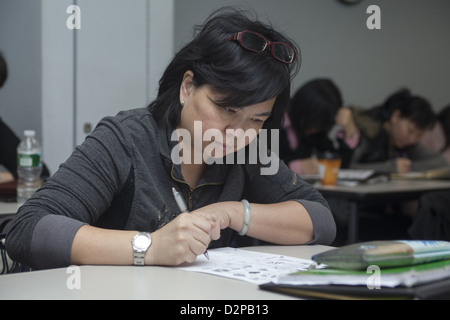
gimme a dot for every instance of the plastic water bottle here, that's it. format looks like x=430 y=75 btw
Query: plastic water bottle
x=29 y=166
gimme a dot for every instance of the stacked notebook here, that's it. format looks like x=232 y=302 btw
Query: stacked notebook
x=374 y=270
x=440 y=173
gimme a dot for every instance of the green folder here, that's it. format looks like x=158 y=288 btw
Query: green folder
x=374 y=270
x=384 y=254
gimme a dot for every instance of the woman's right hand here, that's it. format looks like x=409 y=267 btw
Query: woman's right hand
x=181 y=240
x=403 y=165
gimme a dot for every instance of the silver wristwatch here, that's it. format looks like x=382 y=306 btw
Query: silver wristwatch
x=141 y=242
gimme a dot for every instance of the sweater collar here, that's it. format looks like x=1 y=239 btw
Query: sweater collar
x=214 y=174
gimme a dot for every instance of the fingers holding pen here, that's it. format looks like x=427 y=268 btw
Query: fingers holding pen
x=192 y=235
x=181 y=240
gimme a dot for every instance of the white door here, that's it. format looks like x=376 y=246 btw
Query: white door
x=112 y=60
x=112 y=63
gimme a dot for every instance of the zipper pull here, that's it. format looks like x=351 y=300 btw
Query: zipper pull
x=190 y=199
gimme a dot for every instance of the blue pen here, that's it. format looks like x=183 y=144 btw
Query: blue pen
x=183 y=208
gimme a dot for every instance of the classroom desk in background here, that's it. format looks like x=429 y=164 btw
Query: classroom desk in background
x=149 y=282
x=8 y=208
x=394 y=190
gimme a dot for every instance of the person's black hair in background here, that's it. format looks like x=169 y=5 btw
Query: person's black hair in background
x=314 y=107
x=414 y=108
x=3 y=70
x=8 y=139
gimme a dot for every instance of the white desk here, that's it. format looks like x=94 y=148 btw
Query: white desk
x=394 y=190
x=8 y=208
x=152 y=283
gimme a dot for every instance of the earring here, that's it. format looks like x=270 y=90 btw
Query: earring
x=182 y=103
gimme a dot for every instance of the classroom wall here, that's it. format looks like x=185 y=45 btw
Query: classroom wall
x=73 y=78
x=411 y=49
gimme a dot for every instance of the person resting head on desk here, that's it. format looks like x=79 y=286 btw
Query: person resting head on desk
x=111 y=202
x=315 y=110
x=390 y=136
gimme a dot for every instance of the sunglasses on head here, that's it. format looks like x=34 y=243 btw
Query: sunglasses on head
x=256 y=42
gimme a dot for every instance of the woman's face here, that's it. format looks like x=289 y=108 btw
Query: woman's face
x=227 y=129
x=404 y=133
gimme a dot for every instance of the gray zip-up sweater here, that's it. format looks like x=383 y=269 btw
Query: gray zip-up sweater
x=121 y=177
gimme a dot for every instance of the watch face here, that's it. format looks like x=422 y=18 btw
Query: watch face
x=142 y=241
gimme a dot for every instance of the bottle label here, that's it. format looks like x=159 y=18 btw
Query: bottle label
x=28 y=160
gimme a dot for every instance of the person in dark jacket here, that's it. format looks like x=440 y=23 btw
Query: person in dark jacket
x=111 y=202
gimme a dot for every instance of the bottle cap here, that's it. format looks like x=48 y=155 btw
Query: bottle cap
x=29 y=133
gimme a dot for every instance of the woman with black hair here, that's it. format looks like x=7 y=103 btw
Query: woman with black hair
x=112 y=202
x=390 y=136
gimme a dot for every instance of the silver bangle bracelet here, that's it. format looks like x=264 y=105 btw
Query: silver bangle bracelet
x=244 y=230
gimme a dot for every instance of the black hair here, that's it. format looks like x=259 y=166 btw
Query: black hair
x=315 y=105
x=444 y=118
x=415 y=108
x=3 y=70
x=241 y=77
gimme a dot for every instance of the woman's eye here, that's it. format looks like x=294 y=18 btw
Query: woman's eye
x=230 y=110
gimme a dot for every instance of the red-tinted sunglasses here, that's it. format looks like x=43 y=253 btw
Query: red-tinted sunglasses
x=256 y=42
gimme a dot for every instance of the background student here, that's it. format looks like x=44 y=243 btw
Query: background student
x=9 y=141
x=390 y=136
x=314 y=110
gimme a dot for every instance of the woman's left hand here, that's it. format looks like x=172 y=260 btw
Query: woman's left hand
x=224 y=215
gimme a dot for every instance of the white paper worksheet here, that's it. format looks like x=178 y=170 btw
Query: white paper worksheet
x=249 y=266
